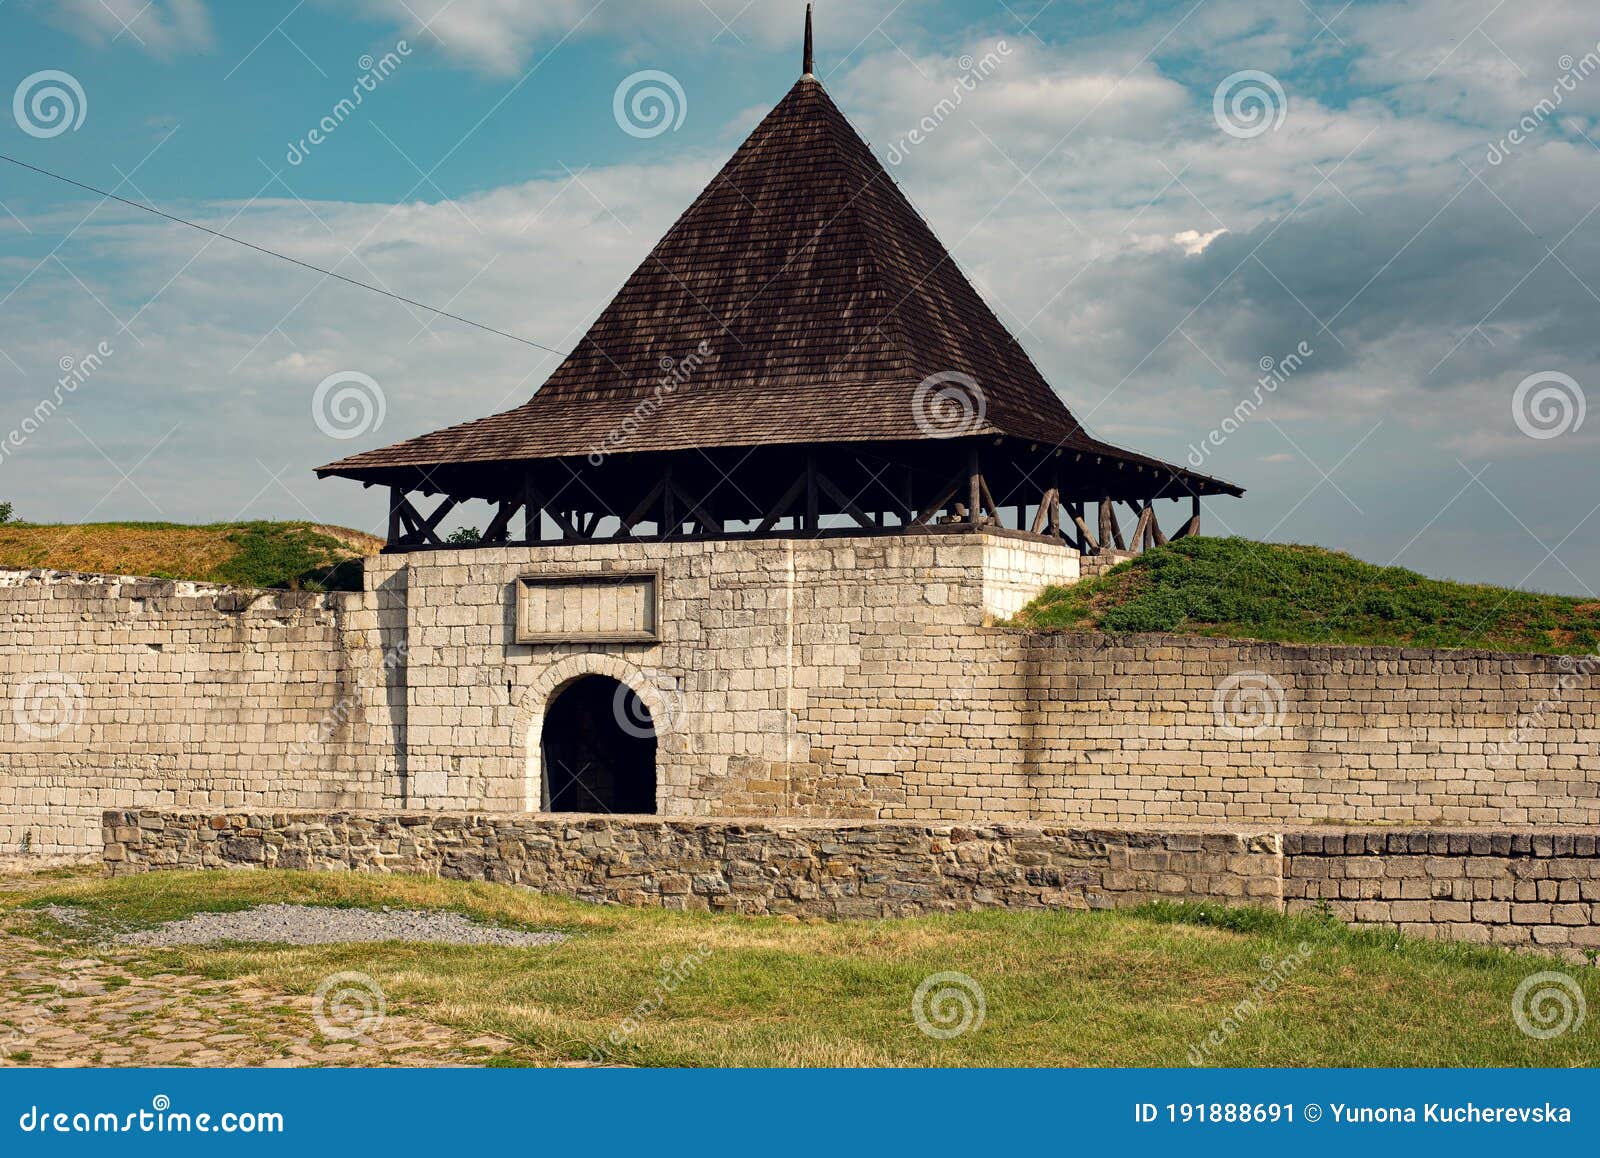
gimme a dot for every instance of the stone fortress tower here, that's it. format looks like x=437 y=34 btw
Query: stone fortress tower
x=743 y=517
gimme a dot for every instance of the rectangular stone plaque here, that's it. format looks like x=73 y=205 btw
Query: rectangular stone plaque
x=591 y=607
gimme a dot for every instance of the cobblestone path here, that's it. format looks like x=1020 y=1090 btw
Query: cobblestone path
x=66 y=1008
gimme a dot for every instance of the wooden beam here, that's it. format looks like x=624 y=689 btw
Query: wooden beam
x=532 y=511
x=1046 y=512
x=784 y=504
x=636 y=516
x=812 y=518
x=695 y=510
x=397 y=501
x=988 y=501
x=499 y=526
x=1110 y=529
x=669 y=509
x=939 y=503
x=1141 y=529
x=861 y=517
x=569 y=533
x=410 y=522
x=974 y=486
x=1087 y=543
x=1192 y=527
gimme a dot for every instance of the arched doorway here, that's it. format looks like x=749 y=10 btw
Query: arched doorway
x=599 y=749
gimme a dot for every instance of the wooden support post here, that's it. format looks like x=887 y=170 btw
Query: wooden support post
x=1042 y=515
x=1087 y=543
x=499 y=527
x=1141 y=529
x=974 y=486
x=1157 y=539
x=643 y=508
x=532 y=511
x=782 y=506
x=938 y=504
x=397 y=501
x=991 y=509
x=1192 y=527
x=695 y=510
x=669 y=505
x=1110 y=529
x=861 y=517
x=1046 y=514
x=813 y=517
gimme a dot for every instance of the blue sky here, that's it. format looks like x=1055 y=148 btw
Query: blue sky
x=1148 y=245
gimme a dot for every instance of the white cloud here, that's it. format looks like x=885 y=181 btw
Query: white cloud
x=1146 y=259
x=502 y=37
x=162 y=27
x=230 y=353
x=1193 y=242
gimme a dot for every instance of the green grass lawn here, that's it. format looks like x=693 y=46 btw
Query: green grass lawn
x=1272 y=591
x=303 y=556
x=1060 y=988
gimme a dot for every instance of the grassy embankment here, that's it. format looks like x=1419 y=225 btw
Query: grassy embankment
x=1240 y=589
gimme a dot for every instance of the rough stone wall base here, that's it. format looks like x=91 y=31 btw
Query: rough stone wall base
x=1528 y=889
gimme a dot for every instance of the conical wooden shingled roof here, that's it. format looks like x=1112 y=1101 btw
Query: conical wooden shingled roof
x=822 y=301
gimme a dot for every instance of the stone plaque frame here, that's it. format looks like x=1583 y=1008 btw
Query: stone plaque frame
x=646 y=582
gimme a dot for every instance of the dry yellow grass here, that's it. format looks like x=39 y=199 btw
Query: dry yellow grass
x=1059 y=988
x=251 y=554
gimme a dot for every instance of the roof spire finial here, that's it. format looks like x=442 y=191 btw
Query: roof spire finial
x=810 y=59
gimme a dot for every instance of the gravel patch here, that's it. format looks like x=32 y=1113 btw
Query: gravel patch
x=70 y=916
x=323 y=925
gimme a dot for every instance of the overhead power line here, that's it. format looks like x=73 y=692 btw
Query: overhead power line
x=280 y=256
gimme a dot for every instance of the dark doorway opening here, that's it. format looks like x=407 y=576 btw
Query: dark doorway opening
x=599 y=749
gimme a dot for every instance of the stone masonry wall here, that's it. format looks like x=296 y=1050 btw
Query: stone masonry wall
x=123 y=692
x=851 y=677
x=1525 y=887
x=857 y=678
x=812 y=868
x=1528 y=889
